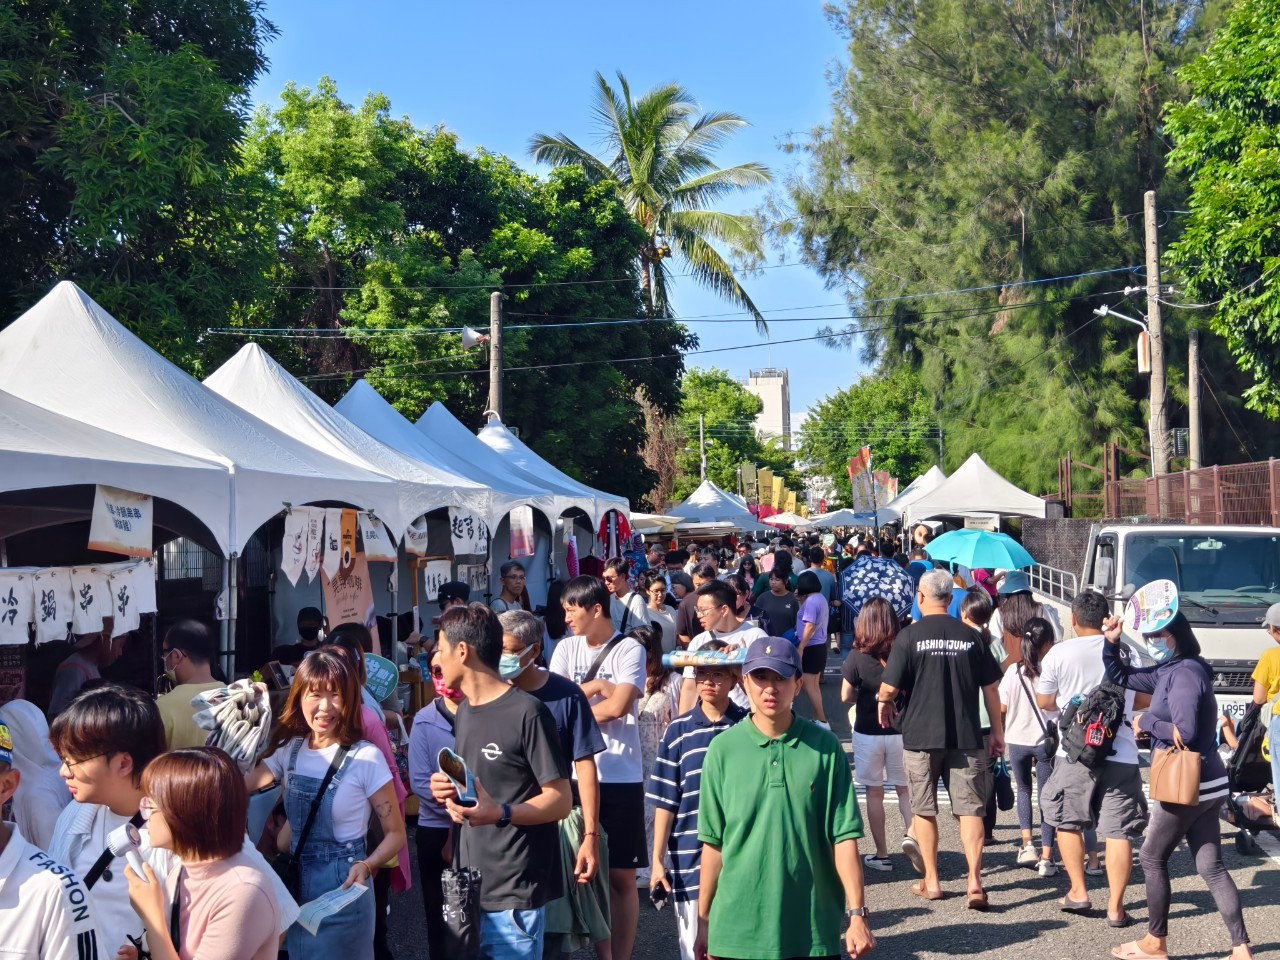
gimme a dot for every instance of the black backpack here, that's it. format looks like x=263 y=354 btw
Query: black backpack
x=1089 y=725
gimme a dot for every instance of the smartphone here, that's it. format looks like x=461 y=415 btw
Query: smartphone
x=658 y=897
x=455 y=768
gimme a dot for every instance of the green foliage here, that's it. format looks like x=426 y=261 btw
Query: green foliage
x=891 y=414
x=660 y=159
x=728 y=411
x=1226 y=137
x=387 y=227
x=992 y=144
x=122 y=123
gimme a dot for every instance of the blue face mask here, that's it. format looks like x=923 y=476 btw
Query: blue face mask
x=1159 y=649
x=511 y=666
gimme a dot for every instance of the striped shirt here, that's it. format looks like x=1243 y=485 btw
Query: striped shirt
x=674 y=784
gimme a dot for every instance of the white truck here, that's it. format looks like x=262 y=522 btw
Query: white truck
x=1227 y=577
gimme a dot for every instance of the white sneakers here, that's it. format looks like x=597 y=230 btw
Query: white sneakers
x=1047 y=868
x=1028 y=856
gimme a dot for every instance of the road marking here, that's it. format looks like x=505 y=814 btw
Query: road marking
x=1270 y=845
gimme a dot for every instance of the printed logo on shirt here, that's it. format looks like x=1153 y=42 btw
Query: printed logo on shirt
x=491 y=751
x=75 y=893
x=944 y=645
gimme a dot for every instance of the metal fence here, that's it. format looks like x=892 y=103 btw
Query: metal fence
x=1242 y=493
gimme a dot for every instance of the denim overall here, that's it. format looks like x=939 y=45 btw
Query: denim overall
x=324 y=865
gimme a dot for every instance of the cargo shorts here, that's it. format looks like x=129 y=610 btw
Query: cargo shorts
x=968 y=775
x=1108 y=799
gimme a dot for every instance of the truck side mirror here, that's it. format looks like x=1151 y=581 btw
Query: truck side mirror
x=1104 y=571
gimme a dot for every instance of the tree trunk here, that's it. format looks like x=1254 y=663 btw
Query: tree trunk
x=646 y=278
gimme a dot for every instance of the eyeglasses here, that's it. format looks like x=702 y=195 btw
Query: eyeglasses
x=708 y=613
x=710 y=676
x=71 y=764
x=437 y=671
x=147 y=808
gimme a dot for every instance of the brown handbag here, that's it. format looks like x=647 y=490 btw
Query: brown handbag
x=1175 y=773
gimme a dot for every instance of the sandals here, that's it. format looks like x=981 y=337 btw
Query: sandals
x=1120 y=924
x=977 y=901
x=1067 y=905
x=1131 y=951
x=918 y=889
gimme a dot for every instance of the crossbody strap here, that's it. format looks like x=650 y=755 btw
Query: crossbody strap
x=1035 y=707
x=334 y=764
x=100 y=865
x=595 y=665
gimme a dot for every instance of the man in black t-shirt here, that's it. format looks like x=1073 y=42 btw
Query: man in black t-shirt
x=509 y=743
x=943 y=667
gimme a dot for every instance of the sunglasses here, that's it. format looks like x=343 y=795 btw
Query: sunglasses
x=437 y=671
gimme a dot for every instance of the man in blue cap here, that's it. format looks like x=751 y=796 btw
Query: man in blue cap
x=779 y=824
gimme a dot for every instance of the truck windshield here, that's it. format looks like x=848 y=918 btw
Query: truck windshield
x=1221 y=575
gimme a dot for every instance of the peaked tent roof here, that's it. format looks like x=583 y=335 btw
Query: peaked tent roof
x=710 y=504
x=70 y=356
x=931 y=479
x=513 y=450
x=443 y=427
x=42 y=449
x=976 y=490
x=253 y=381
x=367 y=409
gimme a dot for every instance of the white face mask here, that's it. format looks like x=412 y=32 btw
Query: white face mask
x=511 y=665
x=1159 y=649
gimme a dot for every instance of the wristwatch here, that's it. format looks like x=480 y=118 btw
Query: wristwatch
x=505 y=819
x=857 y=912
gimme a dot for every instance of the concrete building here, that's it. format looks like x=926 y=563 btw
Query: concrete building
x=773 y=388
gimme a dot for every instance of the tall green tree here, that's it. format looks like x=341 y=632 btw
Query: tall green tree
x=122 y=125
x=728 y=414
x=891 y=414
x=659 y=154
x=989 y=146
x=1226 y=136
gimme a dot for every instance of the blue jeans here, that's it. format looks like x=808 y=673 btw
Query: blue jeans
x=1274 y=734
x=512 y=934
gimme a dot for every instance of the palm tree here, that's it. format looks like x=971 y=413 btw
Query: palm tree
x=661 y=146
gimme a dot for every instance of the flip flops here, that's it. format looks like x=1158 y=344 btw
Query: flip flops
x=1131 y=951
x=1067 y=905
x=918 y=889
x=912 y=851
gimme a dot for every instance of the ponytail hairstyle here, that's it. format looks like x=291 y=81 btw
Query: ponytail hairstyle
x=1037 y=638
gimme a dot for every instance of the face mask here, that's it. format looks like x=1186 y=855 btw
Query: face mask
x=170 y=675
x=510 y=665
x=309 y=633
x=1159 y=649
x=446 y=691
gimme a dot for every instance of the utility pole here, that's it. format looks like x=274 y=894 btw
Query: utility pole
x=1194 y=449
x=1159 y=422
x=702 y=444
x=495 y=353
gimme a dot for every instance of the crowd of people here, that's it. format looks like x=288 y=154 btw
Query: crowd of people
x=568 y=767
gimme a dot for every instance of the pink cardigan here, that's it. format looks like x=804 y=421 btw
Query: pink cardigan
x=375 y=731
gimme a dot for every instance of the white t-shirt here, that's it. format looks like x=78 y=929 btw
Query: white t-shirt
x=621 y=760
x=1074 y=668
x=1017 y=695
x=667 y=624
x=45 y=911
x=739 y=637
x=635 y=602
x=364 y=772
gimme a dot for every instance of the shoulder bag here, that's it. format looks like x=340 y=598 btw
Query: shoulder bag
x=595 y=664
x=1175 y=773
x=286 y=864
x=1048 y=728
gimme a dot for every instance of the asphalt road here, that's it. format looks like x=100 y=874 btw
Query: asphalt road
x=1024 y=920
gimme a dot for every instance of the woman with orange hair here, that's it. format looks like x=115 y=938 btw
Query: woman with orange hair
x=332 y=781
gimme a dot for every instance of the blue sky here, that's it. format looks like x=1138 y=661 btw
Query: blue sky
x=497 y=72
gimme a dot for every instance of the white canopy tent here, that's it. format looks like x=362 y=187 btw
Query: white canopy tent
x=43 y=450
x=68 y=355
x=367 y=409
x=975 y=490
x=853 y=518
x=710 y=504
x=511 y=449
x=928 y=481
x=253 y=381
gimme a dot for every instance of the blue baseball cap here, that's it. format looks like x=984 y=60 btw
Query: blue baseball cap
x=772 y=653
x=1015 y=581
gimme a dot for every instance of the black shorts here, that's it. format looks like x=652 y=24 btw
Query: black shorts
x=622 y=817
x=813 y=659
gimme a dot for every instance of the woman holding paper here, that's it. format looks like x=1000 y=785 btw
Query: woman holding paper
x=332 y=781
x=223 y=906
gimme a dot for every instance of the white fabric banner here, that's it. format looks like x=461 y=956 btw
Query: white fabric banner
x=293 y=546
x=470 y=534
x=522 y=544
x=53 y=604
x=415 y=537
x=91 y=598
x=17 y=605
x=332 y=542
x=121 y=522
x=315 y=539
x=435 y=574
x=133 y=593
x=377 y=541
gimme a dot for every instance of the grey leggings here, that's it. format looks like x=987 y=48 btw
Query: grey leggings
x=1023 y=760
x=1171 y=822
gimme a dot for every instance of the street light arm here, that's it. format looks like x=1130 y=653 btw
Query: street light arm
x=1105 y=311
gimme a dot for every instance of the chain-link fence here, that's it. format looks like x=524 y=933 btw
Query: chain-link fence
x=1242 y=493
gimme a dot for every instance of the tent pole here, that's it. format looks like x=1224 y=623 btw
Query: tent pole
x=233 y=577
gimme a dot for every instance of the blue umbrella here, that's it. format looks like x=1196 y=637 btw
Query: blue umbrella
x=874 y=577
x=979 y=548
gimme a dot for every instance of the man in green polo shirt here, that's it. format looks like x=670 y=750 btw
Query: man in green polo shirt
x=779 y=824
